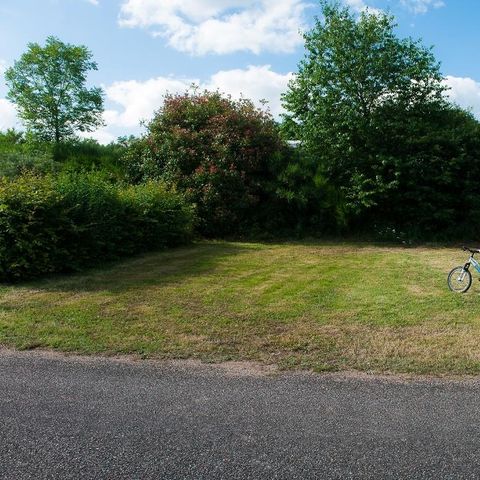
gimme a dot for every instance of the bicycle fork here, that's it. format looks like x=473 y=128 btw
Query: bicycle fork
x=471 y=261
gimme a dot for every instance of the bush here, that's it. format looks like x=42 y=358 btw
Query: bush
x=19 y=154
x=220 y=152
x=31 y=222
x=83 y=155
x=62 y=224
x=14 y=164
x=435 y=168
x=155 y=217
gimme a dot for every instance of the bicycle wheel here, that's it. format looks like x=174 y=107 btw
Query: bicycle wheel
x=459 y=280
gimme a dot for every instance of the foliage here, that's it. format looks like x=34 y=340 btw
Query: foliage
x=304 y=203
x=356 y=75
x=19 y=153
x=30 y=221
x=59 y=224
x=378 y=147
x=83 y=155
x=47 y=84
x=221 y=152
x=432 y=157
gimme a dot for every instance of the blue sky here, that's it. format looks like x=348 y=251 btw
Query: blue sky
x=147 y=47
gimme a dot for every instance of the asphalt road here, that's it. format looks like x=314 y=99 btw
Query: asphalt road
x=74 y=418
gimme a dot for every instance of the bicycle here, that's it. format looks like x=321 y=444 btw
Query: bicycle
x=460 y=278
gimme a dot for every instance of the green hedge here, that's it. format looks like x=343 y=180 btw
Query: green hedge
x=62 y=224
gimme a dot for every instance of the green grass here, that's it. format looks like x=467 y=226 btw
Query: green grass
x=321 y=306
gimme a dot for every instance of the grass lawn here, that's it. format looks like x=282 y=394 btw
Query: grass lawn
x=304 y=305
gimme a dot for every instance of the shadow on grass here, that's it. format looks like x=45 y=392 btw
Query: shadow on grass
x=177 y=264
x=157 y=268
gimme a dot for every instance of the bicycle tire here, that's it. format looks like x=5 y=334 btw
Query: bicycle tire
x=459 y=283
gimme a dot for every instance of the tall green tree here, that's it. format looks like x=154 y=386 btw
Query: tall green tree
x=48 y=86
x=356 y=76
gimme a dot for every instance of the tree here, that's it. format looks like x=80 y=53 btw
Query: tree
x=224 y=154
x=433 y=153
x=356 y=76
x=48 y=87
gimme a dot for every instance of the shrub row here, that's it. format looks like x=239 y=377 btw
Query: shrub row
x=68 y=222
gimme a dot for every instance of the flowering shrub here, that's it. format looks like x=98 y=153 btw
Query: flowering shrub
x=220 y=152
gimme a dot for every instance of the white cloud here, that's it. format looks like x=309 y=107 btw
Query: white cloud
x=360 y=6
x=357 y=5
x=102 y=135
x=256 y=83
x=416 y=6
x=93 y=2
x=140 y=99
x=220 y=26
x=422 y=6
x=8 y=115
x=465 y=92
x=3 y=67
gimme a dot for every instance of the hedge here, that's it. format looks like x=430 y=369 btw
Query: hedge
x=66 y=223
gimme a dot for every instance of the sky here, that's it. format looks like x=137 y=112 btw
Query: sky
x=146 y=48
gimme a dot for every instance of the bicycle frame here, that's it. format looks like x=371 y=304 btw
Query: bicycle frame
x=472 y=261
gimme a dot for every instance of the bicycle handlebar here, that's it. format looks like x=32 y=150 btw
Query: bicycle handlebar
x=471 y=250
